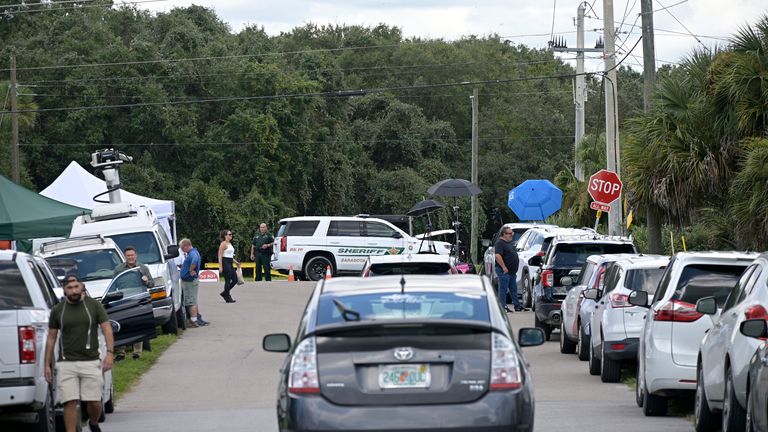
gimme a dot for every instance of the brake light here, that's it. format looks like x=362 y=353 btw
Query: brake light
x=619 y=300
x=27 y=345
x=618 y=346
x=303 y=375
x=505 y=367
x=541 y=253
x=283 y=243
x=677 y=311
x=548 y=278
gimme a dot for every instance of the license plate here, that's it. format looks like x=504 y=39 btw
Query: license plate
x=404 y=376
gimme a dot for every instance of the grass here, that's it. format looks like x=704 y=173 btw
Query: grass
x=127 y=372
x=678 y=407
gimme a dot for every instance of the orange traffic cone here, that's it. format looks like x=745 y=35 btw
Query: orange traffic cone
x=328 y=272
x=291 y=278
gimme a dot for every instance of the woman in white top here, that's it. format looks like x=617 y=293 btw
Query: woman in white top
x=227 y=263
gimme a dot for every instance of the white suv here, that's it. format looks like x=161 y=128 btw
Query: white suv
x=310 y=245
x=92 y=258
x=615 y=323
x=673 y=328
x=725 y=353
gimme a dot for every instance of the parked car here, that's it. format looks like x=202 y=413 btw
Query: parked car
x=577 y=311
x=376 y=355
x=310 y=245
x=757 y=379
x=722 y=369
x=560 y=268
x=92 y=258
x=489 y=256
x=673 y=328
x=615 y=323
x=383 y=265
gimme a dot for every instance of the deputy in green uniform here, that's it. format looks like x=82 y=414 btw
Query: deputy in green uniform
x=261 y=251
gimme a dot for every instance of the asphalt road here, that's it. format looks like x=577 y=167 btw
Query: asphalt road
x=219 y=378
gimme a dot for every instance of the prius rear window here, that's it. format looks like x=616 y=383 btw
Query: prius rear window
x=396 y=306
x=701 y=280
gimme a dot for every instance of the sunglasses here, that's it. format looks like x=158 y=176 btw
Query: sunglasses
x=229 y=233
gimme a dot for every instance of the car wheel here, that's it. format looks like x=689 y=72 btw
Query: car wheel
x=749 y=425
x=566 y=346
x=109 y=406
x=171 y=326
x=704 y=420
x=46 y=416
x=639 y=385
x=316 y=267
x=594 y=362
x=610 y=370
x=734 y=415
x=653 y=405
x=181 y=316
x=582 y=345
x=526 y=291
x=542 y=325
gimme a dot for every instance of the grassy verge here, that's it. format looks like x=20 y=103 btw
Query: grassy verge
x=127 y=372
x=679 y=407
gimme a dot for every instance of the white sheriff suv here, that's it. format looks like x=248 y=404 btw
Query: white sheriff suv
x=309 y=245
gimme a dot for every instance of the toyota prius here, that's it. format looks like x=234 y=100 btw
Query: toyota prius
x=405 y=353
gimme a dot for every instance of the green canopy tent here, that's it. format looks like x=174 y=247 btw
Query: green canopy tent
x=27 y=215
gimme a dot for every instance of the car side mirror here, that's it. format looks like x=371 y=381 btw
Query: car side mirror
x=592 y=294
x=535 y=261
x=754 y=328
x=530 y=336
x=486 y=243
x=173 y=252
x=638 y=298
x=276 y=342
x=706 y=305
x=113 y=296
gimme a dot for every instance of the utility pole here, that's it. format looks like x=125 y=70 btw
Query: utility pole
x=613 y=152
x=14 y=123
x=473 y=199
x=649 y=85
x=580 y=90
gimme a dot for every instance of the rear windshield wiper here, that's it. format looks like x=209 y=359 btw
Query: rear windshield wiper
x=346 y=313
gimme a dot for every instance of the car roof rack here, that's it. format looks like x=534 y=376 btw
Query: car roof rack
x=96 y=239
x=594 y=236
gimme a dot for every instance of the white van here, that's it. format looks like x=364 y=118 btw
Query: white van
x=139 y=227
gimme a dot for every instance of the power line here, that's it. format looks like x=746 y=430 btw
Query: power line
x=683 y=25
x=59 y=2
x=56 y=8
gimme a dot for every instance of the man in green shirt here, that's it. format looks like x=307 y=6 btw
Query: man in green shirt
x=79 y=371
x=261 y=252
x=131 y=261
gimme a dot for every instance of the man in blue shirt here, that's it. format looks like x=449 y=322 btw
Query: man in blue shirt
x=189 y=280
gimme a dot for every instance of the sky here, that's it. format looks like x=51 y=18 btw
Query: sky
x=680 y=25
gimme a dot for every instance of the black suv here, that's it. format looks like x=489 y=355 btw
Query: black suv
x=559 y=268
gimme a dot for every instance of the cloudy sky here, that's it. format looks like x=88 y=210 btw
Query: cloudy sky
x=681 y=25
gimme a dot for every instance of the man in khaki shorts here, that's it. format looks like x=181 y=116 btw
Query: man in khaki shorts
x=79 y=371
x=189 y=281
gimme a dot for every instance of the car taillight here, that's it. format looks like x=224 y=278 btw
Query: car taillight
x=678 y=311
x=27 y=348
x=283 y=243
x=303 y=375
x=505 y=367
x=541 y=253
x=548 y=278
x=619 y=300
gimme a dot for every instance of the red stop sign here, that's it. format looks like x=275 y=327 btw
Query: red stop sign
x=604 y=186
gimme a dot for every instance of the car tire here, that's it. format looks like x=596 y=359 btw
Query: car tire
x=594 y=362
x=181 y=316
x=315 y=267
x=109 y=406
x=639 y=385
x=582 y=345
x=46 y=416
x=704 y=420
x=566 y=345
x=610 y=370
x=734 y=415
x=542 y=325
x=526 y=291
x=653 y=405
x=749 y=422
x=171 y=326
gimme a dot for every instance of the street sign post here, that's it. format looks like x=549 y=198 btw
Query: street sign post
x=604 y=187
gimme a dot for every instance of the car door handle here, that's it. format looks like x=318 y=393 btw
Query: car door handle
x=145 y=301
x=334 y=242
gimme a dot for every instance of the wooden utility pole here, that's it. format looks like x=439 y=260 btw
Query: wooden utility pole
x=14 y=123
x=473 y=199
x=649 y=85
x=613 y=152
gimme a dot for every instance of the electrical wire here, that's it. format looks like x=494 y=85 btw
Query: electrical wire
x=56 y=3
x=683 y=25
x=57 y=9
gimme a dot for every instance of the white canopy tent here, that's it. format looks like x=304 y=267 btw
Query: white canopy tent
x=77 y=187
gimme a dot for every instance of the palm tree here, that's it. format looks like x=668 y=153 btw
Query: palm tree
x=749 y=196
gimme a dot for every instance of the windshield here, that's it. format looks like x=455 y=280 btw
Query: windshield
x=644 y=280
x=409 y=268
x=144 y=243
x=576 y=254
x=414 y=305
x=89 y=265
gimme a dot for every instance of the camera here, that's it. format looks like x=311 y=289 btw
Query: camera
x=108 y=158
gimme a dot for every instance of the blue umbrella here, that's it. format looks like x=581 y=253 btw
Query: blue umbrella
x=535 y=200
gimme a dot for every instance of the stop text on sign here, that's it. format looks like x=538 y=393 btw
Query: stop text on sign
x=605 y=187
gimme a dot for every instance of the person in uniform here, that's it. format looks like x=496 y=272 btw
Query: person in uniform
x=261 y=252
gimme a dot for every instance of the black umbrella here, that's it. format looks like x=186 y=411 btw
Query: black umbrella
x=424 y=207
x=454 y=188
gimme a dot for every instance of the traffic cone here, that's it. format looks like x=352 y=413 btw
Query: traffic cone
x=291 y=278
x=328 y=272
